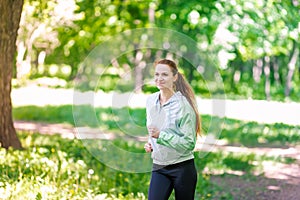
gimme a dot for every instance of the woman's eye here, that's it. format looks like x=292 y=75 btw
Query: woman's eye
x=161 y=75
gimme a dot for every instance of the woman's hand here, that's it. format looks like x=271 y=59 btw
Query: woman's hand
x=148 y=147
x=153 y=131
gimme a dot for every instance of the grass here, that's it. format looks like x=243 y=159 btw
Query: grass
x=131 y=121
x=51 y=167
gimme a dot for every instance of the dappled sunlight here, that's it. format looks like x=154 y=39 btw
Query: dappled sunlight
x=273 y=187
x=92 y=133
x=288 y=172
x=245 y=187
x=65 y=131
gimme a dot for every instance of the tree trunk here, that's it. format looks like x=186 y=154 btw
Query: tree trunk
x=257 y=70
x=267 y=76
x=138 y=71
x=276 y=75
x=9 y=23
x=291 y=68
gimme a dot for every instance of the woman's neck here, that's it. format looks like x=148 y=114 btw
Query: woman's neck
x=165 y=95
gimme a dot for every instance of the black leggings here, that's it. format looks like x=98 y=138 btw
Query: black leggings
x=182 y=177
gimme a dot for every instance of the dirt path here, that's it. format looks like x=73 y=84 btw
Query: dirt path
x=278 y=182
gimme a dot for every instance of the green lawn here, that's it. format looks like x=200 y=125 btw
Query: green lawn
x=52 y=167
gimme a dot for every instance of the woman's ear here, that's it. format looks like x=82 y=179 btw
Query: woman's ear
x=175 y=77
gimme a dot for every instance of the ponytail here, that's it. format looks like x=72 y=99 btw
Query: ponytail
x=186 y=90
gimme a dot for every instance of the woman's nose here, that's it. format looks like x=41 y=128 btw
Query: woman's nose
x=159 y=78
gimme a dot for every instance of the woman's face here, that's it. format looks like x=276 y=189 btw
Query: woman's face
x=163 y=77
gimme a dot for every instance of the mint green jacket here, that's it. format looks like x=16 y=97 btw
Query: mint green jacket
x=176 y=121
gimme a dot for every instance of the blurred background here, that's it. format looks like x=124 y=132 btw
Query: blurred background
x=255 y=44
x=247 y=83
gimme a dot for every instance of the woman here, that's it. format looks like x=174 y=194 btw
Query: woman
x=173 y=122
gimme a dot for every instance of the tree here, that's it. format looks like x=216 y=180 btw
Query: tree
x=37 y=35
x=9 y=23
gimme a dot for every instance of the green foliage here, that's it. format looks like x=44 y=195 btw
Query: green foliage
x=231 y=36
x=51 y=167
x=247 y=88
x=54 y=168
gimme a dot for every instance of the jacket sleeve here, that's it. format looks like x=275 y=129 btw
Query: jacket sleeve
x=181 y=135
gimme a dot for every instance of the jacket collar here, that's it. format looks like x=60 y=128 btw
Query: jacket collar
x=173 y=98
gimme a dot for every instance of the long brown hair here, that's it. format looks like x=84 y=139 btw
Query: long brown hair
x=186 y=90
